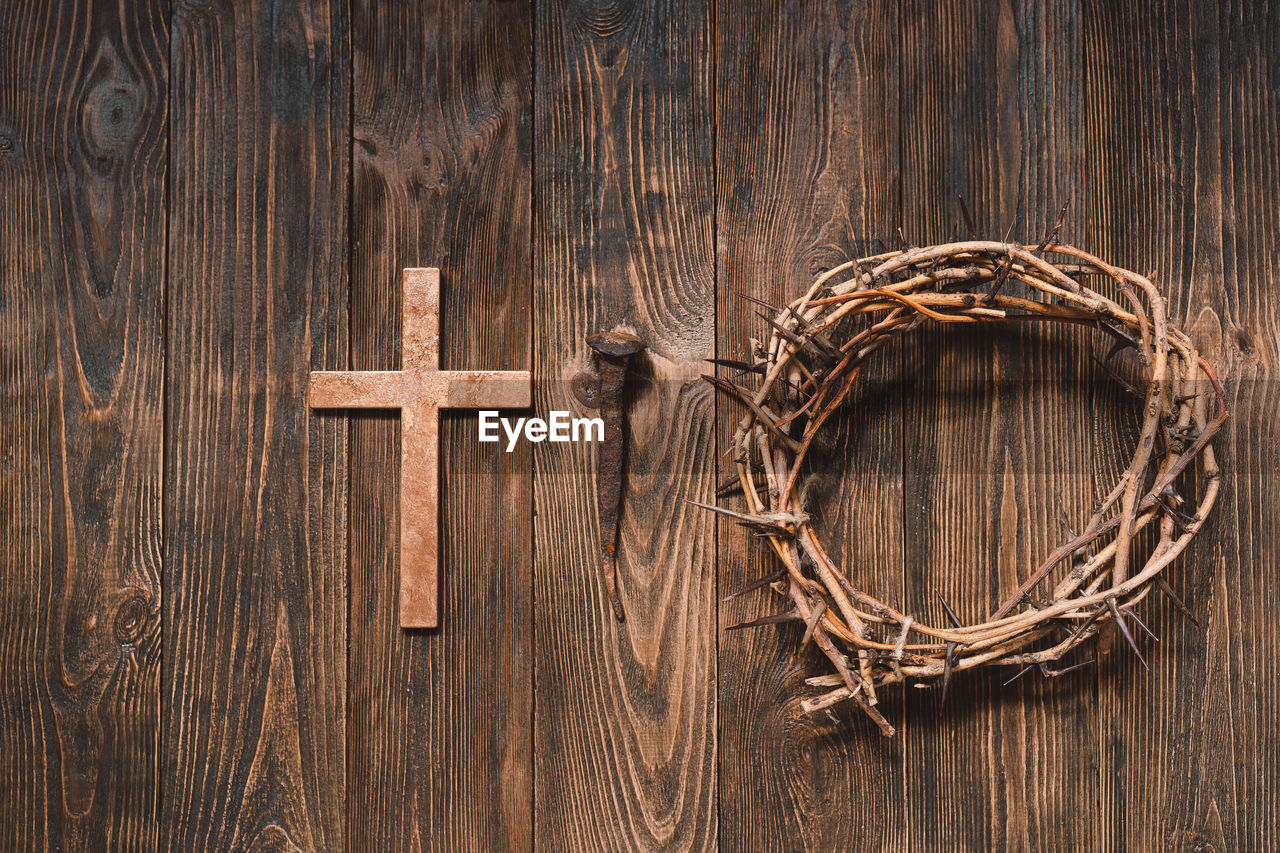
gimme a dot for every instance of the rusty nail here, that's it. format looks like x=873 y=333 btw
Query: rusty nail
x=613 y=354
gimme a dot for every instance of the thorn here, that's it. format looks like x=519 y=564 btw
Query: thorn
x=775 y=619
x=880 y=243
x=745 y=397
x=734 y=364
x=1143 y=625
x=902 y=240
x=771 y=524
x=1021 y=673
x=1054 y=673
x=951 y=614
x=1124 y=629
x=946 y=674
x=1116 y=347
x=760 y=302
x=813 y=621
x=729 y=487
x=791 y=336
x=1118 y=378
x=1003 y=273
x=1053 y=234
x=1177 y=602
x=1180 y=518
x=1084 y=626
x=827 y=351
x=968 y=220
x=814 y=335
x=1123 y=339
x=754 y=585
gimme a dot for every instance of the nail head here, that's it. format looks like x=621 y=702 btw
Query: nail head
x=615 y=344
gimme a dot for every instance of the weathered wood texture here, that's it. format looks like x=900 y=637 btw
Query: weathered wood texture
x=254 y=568
x=807 y=155
x=995 y=469
x=1184 y=135
x=623 y=224
x=83 y=95
x=439 y=739
x=184 y=194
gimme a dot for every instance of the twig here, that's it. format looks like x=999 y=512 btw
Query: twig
x=836 y=326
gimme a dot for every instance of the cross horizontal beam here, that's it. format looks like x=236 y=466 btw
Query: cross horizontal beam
x=420 y=389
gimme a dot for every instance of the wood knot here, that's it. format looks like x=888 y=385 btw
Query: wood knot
x=131 y=619
x=586 y=388
x=1243 y=341
x=111 y=118
x=8 y=137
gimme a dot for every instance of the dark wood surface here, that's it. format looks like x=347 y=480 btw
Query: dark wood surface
x=439 y=742
x=1184 y=132
x=83 y=148
x=997 y=447
x=625 y=721
x=807 y=177
x=201 y=203
x=255 y=640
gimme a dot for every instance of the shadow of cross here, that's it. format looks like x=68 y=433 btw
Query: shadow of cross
x=419 y=390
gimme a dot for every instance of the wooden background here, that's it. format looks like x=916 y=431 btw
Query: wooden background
x=200 y=202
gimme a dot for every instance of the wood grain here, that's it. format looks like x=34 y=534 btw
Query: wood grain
x=995 y=473
x=623 y=220
x=807 y=177
x=83 y=95
x=1184 y=137
x=255 y=569
x=185 y=190
x=439 y=741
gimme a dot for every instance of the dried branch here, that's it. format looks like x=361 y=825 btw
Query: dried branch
x=810 y=366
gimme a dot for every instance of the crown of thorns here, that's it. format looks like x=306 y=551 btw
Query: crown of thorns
x=811 y=364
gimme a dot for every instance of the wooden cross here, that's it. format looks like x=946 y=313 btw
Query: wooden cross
x=419 y=390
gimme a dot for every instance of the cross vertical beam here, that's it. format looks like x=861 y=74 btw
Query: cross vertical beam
x=420 y=389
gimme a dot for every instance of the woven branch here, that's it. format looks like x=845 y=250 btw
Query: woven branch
x=811 y=364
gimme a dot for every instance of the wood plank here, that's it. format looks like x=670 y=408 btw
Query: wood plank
x=440 y=741
x=995 y=471
x=807 y=130
x=625 y=733
x=255 y=568
x=83 y=98
x=1183 y=141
